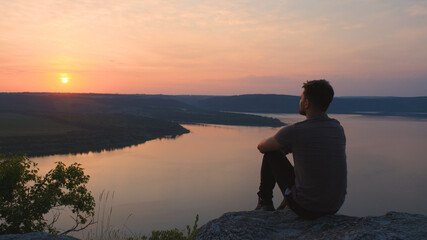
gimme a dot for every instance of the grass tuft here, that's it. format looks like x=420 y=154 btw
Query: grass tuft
x=104 y=231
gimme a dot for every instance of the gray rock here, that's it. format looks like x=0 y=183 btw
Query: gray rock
x=36 y=235
x=286 y=225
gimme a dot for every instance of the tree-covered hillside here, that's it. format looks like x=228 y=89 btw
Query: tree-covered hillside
x=43 y=123
x=259 y=103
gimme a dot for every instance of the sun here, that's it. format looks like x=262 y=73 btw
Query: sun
x=64 y=80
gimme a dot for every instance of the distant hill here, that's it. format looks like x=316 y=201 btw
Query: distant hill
x=261 y=103
x=52 y=123
x=258 y=103
x=384 y=106
x=39 y=124
x=204 y=108
x=179 y=109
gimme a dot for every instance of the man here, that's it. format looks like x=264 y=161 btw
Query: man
x=316 y=185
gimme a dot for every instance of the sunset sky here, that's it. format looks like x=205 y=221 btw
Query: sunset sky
x=222 y=47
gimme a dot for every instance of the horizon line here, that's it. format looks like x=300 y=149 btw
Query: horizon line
x=213 y=95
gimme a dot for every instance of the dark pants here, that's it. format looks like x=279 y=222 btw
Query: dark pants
x=276 y=168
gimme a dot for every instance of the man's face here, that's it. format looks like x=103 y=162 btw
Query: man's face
x=302 y=105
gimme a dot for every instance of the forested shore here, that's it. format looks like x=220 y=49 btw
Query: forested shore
x=39 y=124
x=91 y=133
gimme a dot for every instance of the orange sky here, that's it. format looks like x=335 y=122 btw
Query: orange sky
x=363 y=47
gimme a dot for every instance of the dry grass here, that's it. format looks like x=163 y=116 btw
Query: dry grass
x=103 y=229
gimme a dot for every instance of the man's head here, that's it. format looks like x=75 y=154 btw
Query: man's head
x=317 y=96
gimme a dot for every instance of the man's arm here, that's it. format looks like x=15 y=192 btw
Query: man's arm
x=268 y=145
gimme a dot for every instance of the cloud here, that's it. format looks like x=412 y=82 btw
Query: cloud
x=417 y=10
x=353 y=26
x=251 y=44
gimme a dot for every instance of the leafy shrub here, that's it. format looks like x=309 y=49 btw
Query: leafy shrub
x=174 y=234
x=123 y=234
x=26 y=197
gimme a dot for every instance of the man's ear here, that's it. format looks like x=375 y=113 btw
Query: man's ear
x=307 y=104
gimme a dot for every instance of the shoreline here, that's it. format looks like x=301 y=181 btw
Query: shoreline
x=42 y=134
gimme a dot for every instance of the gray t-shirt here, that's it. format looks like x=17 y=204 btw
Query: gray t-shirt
x=318 y=147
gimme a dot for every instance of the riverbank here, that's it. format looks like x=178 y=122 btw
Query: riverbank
x=49 y=134
x=40 y=134
x=40 y=124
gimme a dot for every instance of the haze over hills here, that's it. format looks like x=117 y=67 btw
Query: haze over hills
x=204 y=108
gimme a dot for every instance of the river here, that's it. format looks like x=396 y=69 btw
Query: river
x=164 y=183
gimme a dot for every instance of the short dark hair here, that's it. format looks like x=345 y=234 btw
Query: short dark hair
x=319 y=92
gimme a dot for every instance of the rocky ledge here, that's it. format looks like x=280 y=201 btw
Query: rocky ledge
x=286 y=225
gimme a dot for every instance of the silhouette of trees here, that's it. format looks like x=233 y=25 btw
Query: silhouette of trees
x=26 y=197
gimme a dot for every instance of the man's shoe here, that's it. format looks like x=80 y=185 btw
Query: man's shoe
x=283 y=205
x=265 y=205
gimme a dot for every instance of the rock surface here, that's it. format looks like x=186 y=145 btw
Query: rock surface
x=286 y=225
x=36 y=236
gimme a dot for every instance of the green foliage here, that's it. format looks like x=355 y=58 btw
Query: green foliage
x=26 y=197
x=104 y=231
x=80 y=132
x=192 y=233
x=175 y=234
x=15 y=125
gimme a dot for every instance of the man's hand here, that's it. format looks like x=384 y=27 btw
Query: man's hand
x=268 y=145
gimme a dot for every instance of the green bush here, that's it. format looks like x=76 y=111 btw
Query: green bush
x=26 y=197
x=174 y=234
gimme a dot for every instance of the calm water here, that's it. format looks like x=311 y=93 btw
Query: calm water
x=164 y=183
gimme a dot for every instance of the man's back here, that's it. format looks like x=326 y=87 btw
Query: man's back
x=318 y=178
x=318 y=147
